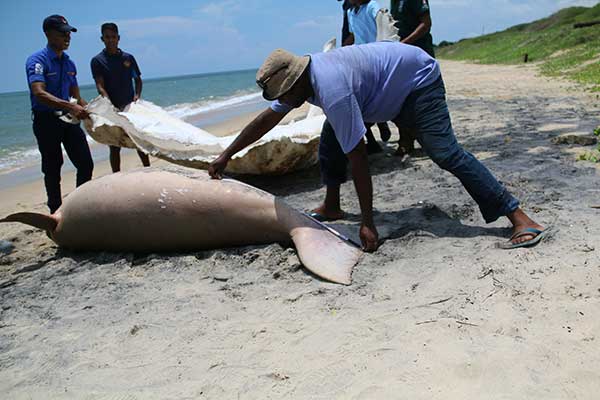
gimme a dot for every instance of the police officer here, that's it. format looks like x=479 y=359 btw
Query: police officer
x=52 y=79
x=413 y=20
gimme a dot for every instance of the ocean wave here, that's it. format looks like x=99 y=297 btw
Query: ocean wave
x=27 y=157
x=19 y=158
x=186 y=110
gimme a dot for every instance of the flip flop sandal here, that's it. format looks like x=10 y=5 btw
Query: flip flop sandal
x=539 y=236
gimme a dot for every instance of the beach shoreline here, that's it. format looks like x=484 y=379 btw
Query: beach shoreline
x=438 y=312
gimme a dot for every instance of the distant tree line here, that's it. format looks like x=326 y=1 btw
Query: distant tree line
x=444 y=43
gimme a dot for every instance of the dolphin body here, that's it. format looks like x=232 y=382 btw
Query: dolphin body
x=156 y=211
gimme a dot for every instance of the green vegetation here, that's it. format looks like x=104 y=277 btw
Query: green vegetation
x=593 y=156
x=560 y=49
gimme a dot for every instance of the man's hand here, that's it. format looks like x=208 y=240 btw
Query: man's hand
x=216 y=168
x=135 y=98
x=369 y=238
x=78 y=111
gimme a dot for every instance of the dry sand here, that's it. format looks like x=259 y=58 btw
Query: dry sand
x=437 y=313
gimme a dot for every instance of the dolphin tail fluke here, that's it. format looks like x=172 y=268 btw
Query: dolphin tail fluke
x=41 y=221
x=325 y=254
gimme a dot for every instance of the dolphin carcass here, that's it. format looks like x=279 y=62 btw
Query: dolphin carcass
x=157 y=211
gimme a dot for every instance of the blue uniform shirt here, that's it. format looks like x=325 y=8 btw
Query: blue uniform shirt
x=365 y=83
x=117 y=70
x=59 y=75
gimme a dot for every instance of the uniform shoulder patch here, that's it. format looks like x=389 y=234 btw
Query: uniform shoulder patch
x=38 y=69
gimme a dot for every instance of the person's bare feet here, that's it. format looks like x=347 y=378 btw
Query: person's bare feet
x=330 y=215
x=521 y=221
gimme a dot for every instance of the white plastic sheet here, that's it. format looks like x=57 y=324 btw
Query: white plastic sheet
x=153 y=130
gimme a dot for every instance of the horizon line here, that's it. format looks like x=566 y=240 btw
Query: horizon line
x=157 y=78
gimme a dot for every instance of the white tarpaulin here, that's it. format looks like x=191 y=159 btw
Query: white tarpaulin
x=153 y=130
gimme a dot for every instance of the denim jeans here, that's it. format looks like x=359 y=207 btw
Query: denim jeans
x=332 y=160
x=425 y=112
x=50 y=133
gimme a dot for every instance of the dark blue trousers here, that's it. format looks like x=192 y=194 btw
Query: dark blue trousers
x=50 y=132
x=426 y=113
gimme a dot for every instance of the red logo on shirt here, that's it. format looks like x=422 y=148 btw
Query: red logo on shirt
x=71 y=73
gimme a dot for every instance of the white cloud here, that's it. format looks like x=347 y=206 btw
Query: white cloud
x=220 y=9
x=326 y=22
x=158 y=26
x=450 y=3
x=168 y=26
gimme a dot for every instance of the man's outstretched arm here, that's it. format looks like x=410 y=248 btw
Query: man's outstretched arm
x=256 y=129
x=359 y=164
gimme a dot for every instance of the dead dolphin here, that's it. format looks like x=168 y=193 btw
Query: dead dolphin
x=152 y=210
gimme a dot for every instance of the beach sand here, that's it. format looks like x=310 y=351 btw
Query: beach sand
x=436 y=313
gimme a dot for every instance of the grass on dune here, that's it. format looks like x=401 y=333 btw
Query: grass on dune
x=560 y=49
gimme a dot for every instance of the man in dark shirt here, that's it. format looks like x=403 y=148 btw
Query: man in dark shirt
x=52 y=79
x=113 y=70
x=413 y=20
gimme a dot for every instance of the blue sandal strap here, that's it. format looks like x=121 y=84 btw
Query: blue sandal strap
x=526 y=231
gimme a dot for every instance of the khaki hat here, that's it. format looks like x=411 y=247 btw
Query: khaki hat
x=279 y=73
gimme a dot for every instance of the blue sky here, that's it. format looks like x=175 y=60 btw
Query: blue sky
x=186 y=37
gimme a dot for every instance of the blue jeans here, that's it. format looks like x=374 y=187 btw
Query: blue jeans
x=425 y=112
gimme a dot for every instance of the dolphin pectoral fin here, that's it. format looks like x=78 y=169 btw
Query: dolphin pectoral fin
x=41 y=221
x=325 y=254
